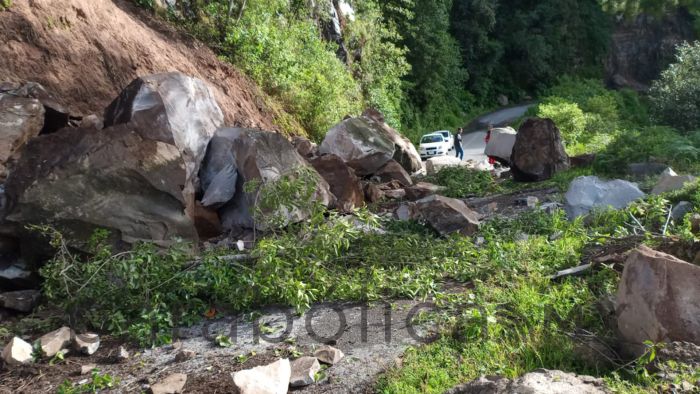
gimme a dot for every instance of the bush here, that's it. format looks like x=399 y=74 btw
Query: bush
x=675 y=97
x=656 y=143
x=568 y=117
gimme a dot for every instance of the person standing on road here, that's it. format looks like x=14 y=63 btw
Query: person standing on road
x=459 y=152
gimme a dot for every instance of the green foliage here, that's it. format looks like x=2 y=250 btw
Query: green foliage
x=5 y=4
x=661 y=144
x=675 y=97
x=97 y=383
x=567 y=116
x=464 y=182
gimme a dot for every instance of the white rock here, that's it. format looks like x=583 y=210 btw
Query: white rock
x=329 y=355
x=87 y=343
x=54 y=341
x=17 y=352
x=501 y=143
x=123 y=354
x=588 y=192
x=304 y=371
x=87 y=368
x=173 y=384
x=435 y=164
x=267 y=379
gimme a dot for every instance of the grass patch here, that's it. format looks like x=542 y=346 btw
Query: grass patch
x=464 y=182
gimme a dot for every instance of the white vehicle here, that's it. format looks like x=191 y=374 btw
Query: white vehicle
x=448 y=137
x=434 y=144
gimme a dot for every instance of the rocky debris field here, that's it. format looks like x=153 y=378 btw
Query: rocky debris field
x=162 y=162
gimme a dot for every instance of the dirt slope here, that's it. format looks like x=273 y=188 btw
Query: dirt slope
x=86 y=51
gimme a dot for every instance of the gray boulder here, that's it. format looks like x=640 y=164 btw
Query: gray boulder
x=680 y=210
x=174 y=109
x=21 y=300
x=136 y=177
x=501 y=143
x=366 y=143
x=20 y=120
x=238 y=156
x=658 y=299
x=588 y=192
x=56 y=116
x=537 y=382
x=538 y=152
x=392 y=170
x=361 y=143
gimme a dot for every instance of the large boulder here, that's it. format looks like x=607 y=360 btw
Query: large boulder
x=344 y=185
x=445 y=215
x=538 y=152
x=537 y=382
x=360 y=142
x=405 y=152
x=501 y=143
x=366 y=143
x=588 y=192
x=658 y=299
x=20 y=120
x=239 y=156
x=174 y=109
x=80 y=180
x=670 y=181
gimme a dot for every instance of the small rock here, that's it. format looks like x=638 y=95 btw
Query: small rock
x=87 y=343
x=54 y=341
x=87 y=368
x=304 y=371
x=329 y=355
x=521 y=237
x=123 y=354
x=530 y=201
x=550 y=207
x=422 y=190
x=17 y=352
x=266 y=379
x=681 y=209
x=22 y=300
x=185 y=355
x=556 y=235
x=173 y=384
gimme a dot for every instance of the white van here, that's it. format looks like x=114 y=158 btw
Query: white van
x=435 y=144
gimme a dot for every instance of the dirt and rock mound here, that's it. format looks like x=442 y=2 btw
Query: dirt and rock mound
x=86 y=51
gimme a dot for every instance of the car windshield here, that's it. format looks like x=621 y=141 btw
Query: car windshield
x=445 y=133
x=429 y=139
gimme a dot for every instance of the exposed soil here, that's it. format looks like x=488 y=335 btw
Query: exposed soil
x=85 y=51
x=373 y=337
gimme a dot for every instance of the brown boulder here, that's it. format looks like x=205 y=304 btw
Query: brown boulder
x=445 y=215
x=373 y=193
x=658 y=299
x=344 y=185
x=421 y=190
x=305 y=147
x=392 y=170
x=538 y=152
x=206 y=221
